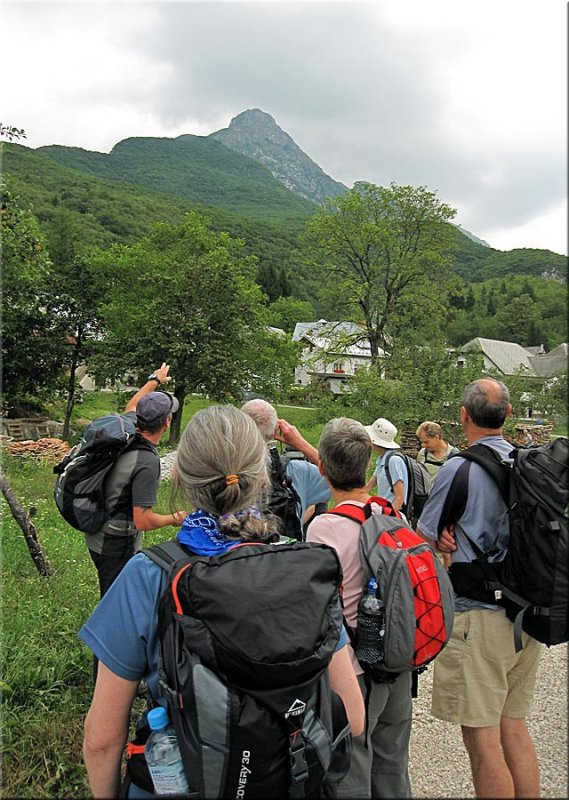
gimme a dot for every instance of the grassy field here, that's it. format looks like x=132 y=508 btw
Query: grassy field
x=46 y=672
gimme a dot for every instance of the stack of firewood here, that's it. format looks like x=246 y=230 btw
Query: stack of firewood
x=49 y=450
x=531 y=434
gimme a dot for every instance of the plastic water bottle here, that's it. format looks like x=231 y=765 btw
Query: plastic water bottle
x=371 y=626
x=163 y=755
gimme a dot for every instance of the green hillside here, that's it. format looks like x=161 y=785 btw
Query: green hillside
x=191 y=168
x=116 y=197
x=108 y=211
x=105 y=210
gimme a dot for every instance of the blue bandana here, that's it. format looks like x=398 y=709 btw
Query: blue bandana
x=201 y=534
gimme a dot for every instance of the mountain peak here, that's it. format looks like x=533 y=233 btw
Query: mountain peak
x=255 y=133
x=256 y=115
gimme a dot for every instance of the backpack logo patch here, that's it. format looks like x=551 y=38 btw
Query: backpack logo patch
x=244 y=773
x=297 y=708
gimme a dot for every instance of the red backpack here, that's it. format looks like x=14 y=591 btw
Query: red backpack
x=412 y=582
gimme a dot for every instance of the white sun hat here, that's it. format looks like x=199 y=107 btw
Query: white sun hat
x=382 y=433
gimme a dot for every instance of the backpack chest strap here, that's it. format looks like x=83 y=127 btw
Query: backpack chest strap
x=362 y=513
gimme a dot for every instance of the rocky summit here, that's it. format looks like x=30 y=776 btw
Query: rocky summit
x=255 y=133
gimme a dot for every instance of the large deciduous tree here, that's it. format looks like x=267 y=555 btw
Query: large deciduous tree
x=33 y=346
x=74 y=297
x=384 y=253
x=186 y=295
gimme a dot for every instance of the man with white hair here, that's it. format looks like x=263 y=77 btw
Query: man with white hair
x=295 y=484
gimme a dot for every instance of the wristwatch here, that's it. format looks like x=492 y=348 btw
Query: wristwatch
x=154 y=377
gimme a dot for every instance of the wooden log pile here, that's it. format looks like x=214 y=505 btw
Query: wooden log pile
x=48 y=450
x=453 y=433
x=540 y=434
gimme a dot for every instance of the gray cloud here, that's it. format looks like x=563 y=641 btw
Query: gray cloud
x=363 y=98
x=367 y=96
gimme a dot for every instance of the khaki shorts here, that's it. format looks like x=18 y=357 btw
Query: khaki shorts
x=479 y=677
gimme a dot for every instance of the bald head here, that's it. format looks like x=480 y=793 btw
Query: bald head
x=487 y=402
x=263 y=415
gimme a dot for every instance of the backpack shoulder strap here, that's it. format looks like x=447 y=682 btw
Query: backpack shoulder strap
x=457 y=495
x=362 y=513
x=277 y=468
x=349 y=511
x=492 y=463
x=388 y=458
x=166 y=553
x=140 y=443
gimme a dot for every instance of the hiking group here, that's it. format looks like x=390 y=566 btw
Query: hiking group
x=284 y=628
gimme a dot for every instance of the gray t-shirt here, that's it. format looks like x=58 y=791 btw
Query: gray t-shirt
x=485 y=518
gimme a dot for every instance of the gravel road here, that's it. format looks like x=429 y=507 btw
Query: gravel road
x=439 y=764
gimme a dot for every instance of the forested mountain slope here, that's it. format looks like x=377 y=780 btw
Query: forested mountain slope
x=107 y=211
x=192 y=168
x=118 y=196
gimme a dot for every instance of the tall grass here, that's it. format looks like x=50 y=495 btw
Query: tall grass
x=46 y=671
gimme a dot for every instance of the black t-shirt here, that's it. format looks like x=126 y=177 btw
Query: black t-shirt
x=133 y=481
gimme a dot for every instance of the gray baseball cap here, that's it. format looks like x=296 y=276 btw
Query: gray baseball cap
x=154 y=408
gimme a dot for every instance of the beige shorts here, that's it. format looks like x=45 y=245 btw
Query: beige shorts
x=479 y=677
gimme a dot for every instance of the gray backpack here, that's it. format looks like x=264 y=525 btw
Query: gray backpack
x=413 y=584
x=79 y=490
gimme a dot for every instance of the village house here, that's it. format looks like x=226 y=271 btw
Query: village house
x=510 y=358
x=332 y=352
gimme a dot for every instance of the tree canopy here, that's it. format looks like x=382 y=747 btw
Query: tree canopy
x=514 y=308
x=383 y=255
x=186 y=295
x=33 y=342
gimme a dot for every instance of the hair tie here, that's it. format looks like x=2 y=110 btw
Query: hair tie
x=231 y=480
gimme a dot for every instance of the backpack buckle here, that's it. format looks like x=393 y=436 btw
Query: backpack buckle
x=298 y=765
x=168 y=691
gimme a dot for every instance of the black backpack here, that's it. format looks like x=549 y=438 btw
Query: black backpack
x=79 y=490
x=246 y=639
x=532 y=581
x=282 y=499
x=419 y=485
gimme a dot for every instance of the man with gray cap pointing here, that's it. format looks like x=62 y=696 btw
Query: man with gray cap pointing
x=131 y=486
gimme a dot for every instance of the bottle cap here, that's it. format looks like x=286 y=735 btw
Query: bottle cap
x=158 y=718
x=372 y=585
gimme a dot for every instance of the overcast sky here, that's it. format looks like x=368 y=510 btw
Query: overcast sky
x=467 y=98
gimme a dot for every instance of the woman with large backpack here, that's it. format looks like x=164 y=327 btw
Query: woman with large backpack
x=229 y=613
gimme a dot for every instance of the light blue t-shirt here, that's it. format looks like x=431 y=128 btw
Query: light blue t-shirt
x=308 y=483
x=485 y=518
x=398 y=472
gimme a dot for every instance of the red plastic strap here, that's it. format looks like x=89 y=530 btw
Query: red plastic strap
x=357 y=513
x=175 y=588
x=134 y=749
